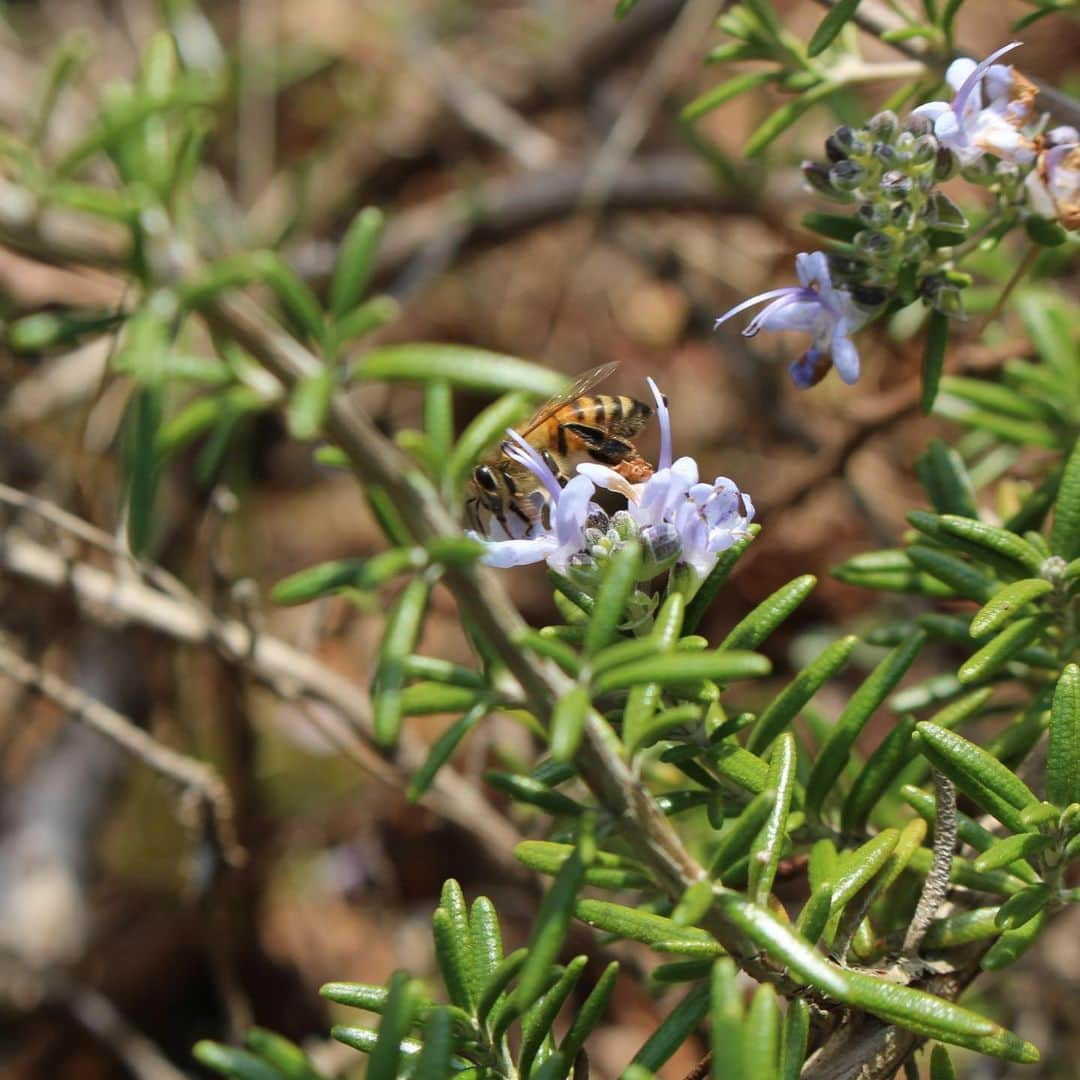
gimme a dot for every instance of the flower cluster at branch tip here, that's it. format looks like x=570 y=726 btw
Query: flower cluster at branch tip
x=969 y=129
x=901 y=242
x=677 y=519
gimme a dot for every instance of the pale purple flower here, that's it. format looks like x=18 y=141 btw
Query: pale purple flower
x=969 y=128
x=558 y=531
x=1054 y=184
x=707 y=518
x=814 y=307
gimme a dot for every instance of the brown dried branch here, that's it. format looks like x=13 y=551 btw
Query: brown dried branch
x=291 y=673
x=195 y=778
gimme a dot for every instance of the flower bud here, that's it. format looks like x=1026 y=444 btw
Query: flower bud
x=905 y=143
x=839 y=144
x=661 y=548
x=874 y=246
x=944 y=164
x=624 y=526
x=884 y=126
x=895 y=185
x=918 y=125
x=873 y=215
x=885 y=153
x=900 y=216
x=846 y=175
x=818 y=178
x=924 y=149
x=597 y=519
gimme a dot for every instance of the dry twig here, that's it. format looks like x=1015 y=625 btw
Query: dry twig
x=195 y=778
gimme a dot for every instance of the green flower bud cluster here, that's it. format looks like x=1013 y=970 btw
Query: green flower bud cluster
x=889 y=170
x=604 y=536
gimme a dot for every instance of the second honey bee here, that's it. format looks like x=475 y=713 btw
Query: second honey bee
x=574 y=427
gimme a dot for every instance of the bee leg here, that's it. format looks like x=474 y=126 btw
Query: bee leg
x=600 y=446
x=555 y=467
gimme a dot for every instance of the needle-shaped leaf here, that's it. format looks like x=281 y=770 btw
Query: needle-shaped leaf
x=1063 y=754
x=674 y=668
x=397 y=1018
x=739 y=834
x=962 y=578
x=674 y=1029
x=997 y=652
x=1023 y=906
x=996 y=788
x=725 y=92
x=537 y=1022
x=498 y=981
x=590 y=1013
x=1007 y=603
x=1007 y=851
x=611 y=599
x=486 y=940
x=942 y=473
x=784 y=945
x=874 y=690
x=433 y=1062
x=875 y=777
x=461 y=365
x=549 y=931
x=761 y=1035
x=941 y=1066
x=937 y=342
x=786 y=115
x=751 y=631
x=607 y=869
x=815 y=913
x=1001 y=542
x=793 y=1038
x=1014 y=943
x=935 y=1018
x=331 y=577
x=527 y=789
x=399 y=640
x=962 y=928
x=767 y=848
x=661 y=933
x=857 y=869
x=831 y=25
x=726 y=1022
x=234 y=1063
x=1065 y=531
x=355 y=261
x=785 y=706
x=568 y=722
x=284 y=1055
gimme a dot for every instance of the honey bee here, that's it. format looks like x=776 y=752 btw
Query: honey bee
x=570 y=428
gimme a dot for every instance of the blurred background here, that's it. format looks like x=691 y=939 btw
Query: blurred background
x=545 y=201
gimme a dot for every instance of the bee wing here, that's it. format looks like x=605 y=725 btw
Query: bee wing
x=580 y=385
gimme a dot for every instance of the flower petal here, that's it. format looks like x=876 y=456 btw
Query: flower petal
x=664 y=419
x=813 y=269
x=845 y=357
x=507 y=553
x=572 y=509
